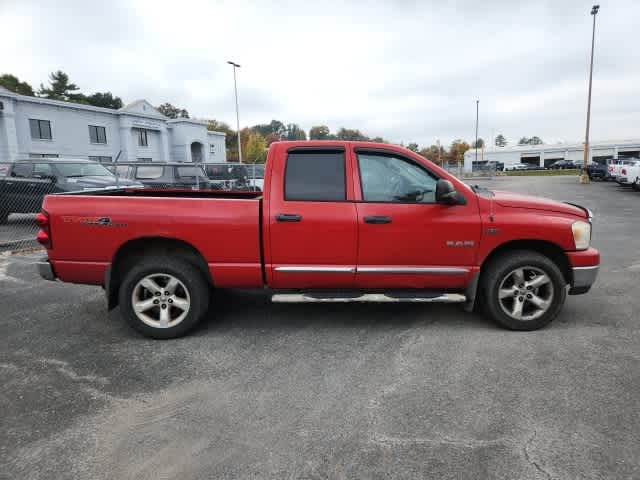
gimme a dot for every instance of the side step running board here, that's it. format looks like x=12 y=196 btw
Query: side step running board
x=367 y=297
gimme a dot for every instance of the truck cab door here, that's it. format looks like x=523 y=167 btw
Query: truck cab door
x=405 y=238
x=312 y=220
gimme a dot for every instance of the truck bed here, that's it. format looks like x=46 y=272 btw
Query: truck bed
x=89 y=229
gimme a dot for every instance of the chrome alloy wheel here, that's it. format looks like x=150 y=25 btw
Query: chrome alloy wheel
x=160 y=300
x=526 y=293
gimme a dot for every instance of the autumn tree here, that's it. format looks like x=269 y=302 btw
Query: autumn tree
x=275 y=127
x=350 y=134
x=500 y=141
x=256 y=148
x=413 y=147
x=171 y=111
x=13 y=84
x=457 y=149
x=61 y=89
x=435 y=153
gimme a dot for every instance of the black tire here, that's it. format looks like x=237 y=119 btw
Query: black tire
x=193 y=282
x=499 y=269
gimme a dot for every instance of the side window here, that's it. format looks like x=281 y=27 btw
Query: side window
x=150 y=172
x=22 y=170
x=42 y=170
x=315 y=176
x=390 y=179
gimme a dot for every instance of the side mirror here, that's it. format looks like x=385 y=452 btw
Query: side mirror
x=446 y=194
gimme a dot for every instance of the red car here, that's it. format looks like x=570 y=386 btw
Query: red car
x=337 y=221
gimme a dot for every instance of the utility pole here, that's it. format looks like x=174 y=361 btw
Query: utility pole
x=477 y=103
x=584 y=178
x=235 y=87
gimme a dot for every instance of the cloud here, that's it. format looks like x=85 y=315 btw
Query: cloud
x=403 y=70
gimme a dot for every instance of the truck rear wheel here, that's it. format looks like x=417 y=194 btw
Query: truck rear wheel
x=523 y=290
x=163 y=297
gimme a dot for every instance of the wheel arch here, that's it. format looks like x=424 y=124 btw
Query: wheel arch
x=131 y=250
x=549 y=249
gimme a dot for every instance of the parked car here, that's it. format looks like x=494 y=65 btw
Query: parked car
x=562 y=164
x=368 y=221
x=630 y=175
x=229 y=176
x=517 y=166
x=25 y=183
x=597 y=171
x=256 y=176
x=164 y=174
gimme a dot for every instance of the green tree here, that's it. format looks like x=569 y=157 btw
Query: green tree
x=524 y=141
x=535 y=141
x=61 y=89
x=435 y=153
x=104 y=100
x=170 y=111
x=256 y=148
x=275 y=127
x=479 y=143
x=413 y=147
x=319 y=132
x=13 y=84
x=501 y=141
x=351 y=134
x=294 y=132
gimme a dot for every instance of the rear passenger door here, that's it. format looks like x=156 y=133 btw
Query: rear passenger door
x=312 y=220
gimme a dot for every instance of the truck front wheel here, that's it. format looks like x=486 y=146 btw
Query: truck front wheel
x=523 y=290
x=163 y=297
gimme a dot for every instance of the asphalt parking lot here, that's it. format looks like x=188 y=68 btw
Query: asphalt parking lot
x=330 y=391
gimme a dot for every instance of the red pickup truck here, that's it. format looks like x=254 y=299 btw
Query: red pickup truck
x=337 y=221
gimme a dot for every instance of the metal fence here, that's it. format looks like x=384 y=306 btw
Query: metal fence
x=24 y=184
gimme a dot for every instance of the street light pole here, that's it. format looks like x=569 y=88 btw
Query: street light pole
x=584 y=178
x=235 y=87
x=477 y=103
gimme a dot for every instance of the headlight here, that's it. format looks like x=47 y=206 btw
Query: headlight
x=581 y=234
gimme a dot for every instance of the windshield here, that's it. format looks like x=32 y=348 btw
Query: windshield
x=70 y=170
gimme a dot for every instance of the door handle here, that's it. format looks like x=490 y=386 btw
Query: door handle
x=288 y=217
x=377 y=219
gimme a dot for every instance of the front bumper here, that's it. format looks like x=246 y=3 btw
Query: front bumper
x=584 y=269
x=583 y=278
x=45 y=269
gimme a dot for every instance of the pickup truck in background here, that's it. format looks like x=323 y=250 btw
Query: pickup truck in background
x=163 y=174
x=630 y=175
x=616 y=166
x=24 y=184
x=337 y=221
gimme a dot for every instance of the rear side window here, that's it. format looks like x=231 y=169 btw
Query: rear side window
x=149 y=173
x=22 y=170
x=315 y=176
x=42 y=169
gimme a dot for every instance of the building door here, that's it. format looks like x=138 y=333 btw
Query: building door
x=197 y=152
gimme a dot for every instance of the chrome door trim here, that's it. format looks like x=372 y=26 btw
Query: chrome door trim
x=315 y=269
x=432 y=270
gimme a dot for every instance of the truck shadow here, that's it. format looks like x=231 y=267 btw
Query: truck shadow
x=254 y=310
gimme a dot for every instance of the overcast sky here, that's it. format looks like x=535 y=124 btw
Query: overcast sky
x=403 y=70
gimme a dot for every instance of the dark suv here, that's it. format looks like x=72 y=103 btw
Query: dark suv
x=164 y=175
x=24 y=184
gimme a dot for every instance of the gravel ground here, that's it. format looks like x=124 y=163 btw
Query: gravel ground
x=329 y=391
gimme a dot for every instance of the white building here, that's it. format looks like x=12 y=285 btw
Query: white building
x=37 y=127
x=545 y=155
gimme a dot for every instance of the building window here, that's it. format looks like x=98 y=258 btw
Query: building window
x=143 y=139
x=212 y=149
x=40 y=129
x=97 y=134
x=43 y=155
x=101 y=159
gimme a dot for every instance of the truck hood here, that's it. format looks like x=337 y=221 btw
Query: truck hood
x=516 y=200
